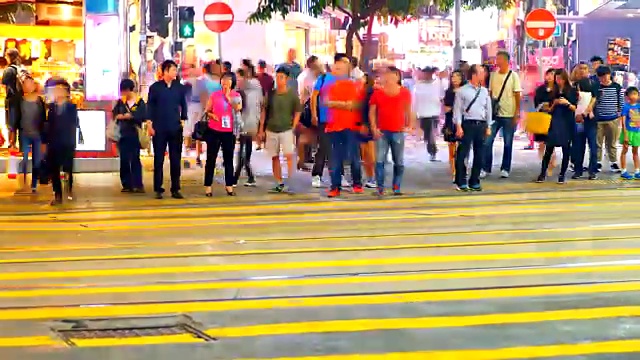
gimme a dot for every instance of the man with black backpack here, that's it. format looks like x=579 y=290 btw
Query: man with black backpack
x=11 y=79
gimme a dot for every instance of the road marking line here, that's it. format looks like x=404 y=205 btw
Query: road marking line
x=475 y=200
x=521 y=352
x=433 y=259
x=344 y=326
x=306 y=218
x=403 y=214
x=296 y=250
x=147 y=309
x=74 y=290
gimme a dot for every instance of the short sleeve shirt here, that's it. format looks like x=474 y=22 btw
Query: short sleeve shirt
x=341 y=119
x=390 y=109
x=322 y=84
x=508 y=100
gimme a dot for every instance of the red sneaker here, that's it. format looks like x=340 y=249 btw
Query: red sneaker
x=333 y=193
x=357 y=189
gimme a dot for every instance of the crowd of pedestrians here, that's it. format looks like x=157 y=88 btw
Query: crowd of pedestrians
x=345 y=115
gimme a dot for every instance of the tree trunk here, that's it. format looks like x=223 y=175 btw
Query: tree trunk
x=366 y=52
x=351 y=32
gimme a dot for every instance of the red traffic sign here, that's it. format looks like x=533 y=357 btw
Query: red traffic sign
x=218 y=17
x=540 y=24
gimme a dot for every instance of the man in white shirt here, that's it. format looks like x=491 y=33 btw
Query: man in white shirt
x=426 y=100
x=308 y=77
x=505 y=90
x=356 y=73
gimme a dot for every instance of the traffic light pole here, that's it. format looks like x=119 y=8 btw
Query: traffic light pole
x=174 y=25
x=142 y=76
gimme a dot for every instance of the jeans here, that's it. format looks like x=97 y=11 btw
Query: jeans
x=33 y=145
x=508 y=130
x=130 y=165
x=474 y=137
x=162 y=140
x=579 y=147
x=216 y=140
x=324 y=151
x=60 y=157
x=395 y=142
x=244 y=158
x=344 y=147
x=429 y=126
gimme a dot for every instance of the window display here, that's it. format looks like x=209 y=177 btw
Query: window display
x=93 y=124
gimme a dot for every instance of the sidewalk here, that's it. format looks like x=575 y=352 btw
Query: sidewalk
x=422 y=178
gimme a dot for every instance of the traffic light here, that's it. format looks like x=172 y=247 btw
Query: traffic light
x=158 y=17
x=186 y=30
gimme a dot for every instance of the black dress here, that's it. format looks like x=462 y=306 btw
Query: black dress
x=543 y=95
x=449 y=129
x=563 y=120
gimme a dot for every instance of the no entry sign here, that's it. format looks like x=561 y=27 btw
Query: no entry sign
x=218 y=17
x=540 y=24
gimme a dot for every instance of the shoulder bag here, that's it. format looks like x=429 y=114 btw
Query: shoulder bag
x=495 y=104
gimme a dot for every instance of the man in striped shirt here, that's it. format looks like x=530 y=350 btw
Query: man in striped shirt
x=609 y=101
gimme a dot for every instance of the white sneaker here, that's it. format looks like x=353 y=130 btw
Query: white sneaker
x=316 y=182
x=504 y=174
x=345 y=183
x=371 y=184
x=483 y=174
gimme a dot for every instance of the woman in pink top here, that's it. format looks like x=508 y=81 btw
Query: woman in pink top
x=221 y=111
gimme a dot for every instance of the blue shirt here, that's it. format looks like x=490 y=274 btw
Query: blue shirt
x=166 y=106
x=322 y=85
x=205 y=84
x=479 y=110
x=631 y=113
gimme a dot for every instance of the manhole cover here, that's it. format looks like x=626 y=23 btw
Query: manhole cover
x=70 y=336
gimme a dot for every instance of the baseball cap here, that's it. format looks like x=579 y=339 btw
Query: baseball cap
x=262 y=64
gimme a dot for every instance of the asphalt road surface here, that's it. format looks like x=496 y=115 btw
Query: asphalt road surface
x=470 y=277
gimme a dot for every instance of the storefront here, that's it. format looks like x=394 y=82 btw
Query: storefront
x=78 y=47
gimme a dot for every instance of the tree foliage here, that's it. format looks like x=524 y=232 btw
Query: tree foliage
x=362 y=12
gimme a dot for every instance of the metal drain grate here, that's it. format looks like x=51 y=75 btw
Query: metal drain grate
x=69 y=335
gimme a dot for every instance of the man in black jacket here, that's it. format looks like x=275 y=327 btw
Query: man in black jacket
x=167 y=111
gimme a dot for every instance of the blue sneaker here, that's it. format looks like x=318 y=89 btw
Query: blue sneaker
x=462 y=187
x=637 y=175
x=475 y=187
x=626 y=176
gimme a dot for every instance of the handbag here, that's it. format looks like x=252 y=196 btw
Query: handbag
x=537 y=122
x=200 y=127
x=495 y=104
x=143 y=137
x=113 y=131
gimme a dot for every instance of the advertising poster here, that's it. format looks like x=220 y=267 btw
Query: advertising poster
x=93 y=124
x=619 y=53
x=102 y=77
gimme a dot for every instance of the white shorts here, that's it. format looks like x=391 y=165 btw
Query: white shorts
x=194 y=111
x=280 y=141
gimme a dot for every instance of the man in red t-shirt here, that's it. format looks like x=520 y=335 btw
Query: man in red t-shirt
x=390 y=114
x=343 y=98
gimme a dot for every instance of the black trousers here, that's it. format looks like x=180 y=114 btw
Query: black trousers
x=244 y=157
x=324 y=151
x=546 y=159
x=474 y=136
x=161 y=141
x=216 y=140
x=130 y=165
x=60 y=157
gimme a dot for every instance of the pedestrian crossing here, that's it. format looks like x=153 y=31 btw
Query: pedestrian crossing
x=470 y=278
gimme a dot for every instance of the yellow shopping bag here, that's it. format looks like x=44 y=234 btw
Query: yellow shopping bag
x=537 y=123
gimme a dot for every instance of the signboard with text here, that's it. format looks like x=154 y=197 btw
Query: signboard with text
x=548 y=58
x=436 y=33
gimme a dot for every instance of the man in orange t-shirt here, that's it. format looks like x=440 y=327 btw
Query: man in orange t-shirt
x=343 y=99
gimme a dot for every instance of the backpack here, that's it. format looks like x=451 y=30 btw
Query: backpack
x=305 y=118
x=18 y=80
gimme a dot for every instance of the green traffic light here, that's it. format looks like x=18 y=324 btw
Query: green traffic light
x=187 y=31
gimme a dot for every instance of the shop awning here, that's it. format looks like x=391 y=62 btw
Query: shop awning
x=41 y=32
